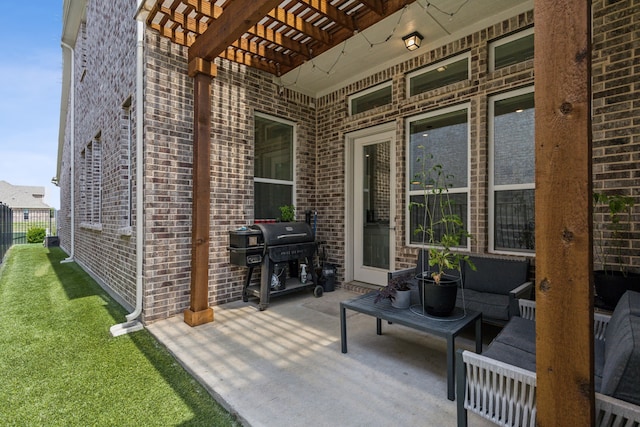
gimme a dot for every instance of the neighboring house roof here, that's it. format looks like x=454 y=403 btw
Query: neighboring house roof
x=22 y=196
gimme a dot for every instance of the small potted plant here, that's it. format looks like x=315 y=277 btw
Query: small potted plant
x=612 y=238
x=398 y=291
x=442 y=233
x=287 y=213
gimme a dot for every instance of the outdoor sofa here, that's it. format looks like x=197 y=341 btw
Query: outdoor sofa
x=493 y=288
x=500 y=384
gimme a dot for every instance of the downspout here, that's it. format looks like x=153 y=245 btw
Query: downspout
x=133 y=323
x=72 y=138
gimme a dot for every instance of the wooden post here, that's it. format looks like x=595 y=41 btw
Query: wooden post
x=199 y=311
x=564 y=254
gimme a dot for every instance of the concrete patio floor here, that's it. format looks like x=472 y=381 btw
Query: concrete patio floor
x=283 y=366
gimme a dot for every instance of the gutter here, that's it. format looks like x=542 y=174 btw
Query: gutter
x=133 y=322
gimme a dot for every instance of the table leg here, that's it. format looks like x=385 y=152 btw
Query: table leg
x=343 y=328
x=378 y=326
x=451 y=356
x=479 y=334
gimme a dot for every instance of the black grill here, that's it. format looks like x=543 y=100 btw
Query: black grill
x=279 y=249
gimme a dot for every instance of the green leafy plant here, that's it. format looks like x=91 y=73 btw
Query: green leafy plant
x=442 y=230
x=36 y=235
x=287 y=213
x=611 y=235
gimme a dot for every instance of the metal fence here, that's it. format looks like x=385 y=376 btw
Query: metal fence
x=6 y=229
x=26 y=219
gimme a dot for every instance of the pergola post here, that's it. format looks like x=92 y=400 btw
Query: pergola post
x=199 y=311
x=564 y=253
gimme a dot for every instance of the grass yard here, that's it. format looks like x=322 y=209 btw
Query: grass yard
x=59 y=366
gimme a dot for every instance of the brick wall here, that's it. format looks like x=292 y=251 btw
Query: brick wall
x=616 y=111
x=104 y=82
x=334 y=123
x=237 y=93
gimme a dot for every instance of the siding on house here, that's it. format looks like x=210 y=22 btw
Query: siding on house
x=105 y=83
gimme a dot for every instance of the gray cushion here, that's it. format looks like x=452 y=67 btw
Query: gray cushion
x=621 y=371
x=492 y=306
x=515 y=344
x=495 y=275
x=628 y=304
x=512 y=355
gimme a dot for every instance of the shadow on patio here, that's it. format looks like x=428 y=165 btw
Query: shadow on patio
x=283 y=366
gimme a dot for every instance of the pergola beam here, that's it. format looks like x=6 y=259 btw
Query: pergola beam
x=375 y=5
x=325 y=8
x=564 y=253
x=236 y=20
x=299 y=24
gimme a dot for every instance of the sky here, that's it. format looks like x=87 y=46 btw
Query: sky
x=30 y=84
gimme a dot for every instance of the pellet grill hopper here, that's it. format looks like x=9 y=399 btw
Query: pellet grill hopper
x=279 y=249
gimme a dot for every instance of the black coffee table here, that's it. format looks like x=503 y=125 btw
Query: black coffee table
x=447 y=327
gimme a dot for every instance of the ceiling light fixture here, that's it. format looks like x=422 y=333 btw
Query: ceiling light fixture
x=412 y=41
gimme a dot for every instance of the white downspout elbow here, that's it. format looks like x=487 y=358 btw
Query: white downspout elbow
x=133 y=323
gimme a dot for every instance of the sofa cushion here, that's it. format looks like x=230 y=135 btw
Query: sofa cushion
x=492 y=306
x=629 y=304
x=621 y=371
x=515 y=344
x=495 y=275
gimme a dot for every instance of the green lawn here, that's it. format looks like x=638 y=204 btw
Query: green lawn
x=59 y=366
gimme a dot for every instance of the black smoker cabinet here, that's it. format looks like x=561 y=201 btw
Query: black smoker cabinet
x=279 y=248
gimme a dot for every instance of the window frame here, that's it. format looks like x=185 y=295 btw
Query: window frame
x=457 y=190
x=502 y=41
x=365 y=92
x=435 y=66
x=492 y=187
x=91 y=183
x=293 y=180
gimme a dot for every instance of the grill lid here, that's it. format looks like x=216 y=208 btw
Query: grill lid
x=284 y=233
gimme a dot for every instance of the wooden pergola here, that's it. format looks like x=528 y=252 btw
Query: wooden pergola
x=277 y=36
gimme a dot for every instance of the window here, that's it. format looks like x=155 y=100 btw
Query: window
x=440 y=138
x=127 y=147
x=511 y=50
x=443 y=73
x=512 y=172
x=92 y=181
x=371 y=98
x=273 y=166
x=25 y=214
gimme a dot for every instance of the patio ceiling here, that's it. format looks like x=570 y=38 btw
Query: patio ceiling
x=288 y=38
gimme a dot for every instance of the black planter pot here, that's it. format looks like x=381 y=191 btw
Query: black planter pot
x=611 y=285
x=439 y=300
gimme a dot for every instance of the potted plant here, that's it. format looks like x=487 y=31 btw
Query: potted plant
x=442 y=233
x=612 y=239
x=398 y=291
x=287 y=213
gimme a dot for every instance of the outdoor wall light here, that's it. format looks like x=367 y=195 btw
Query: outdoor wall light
x=412 y=41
